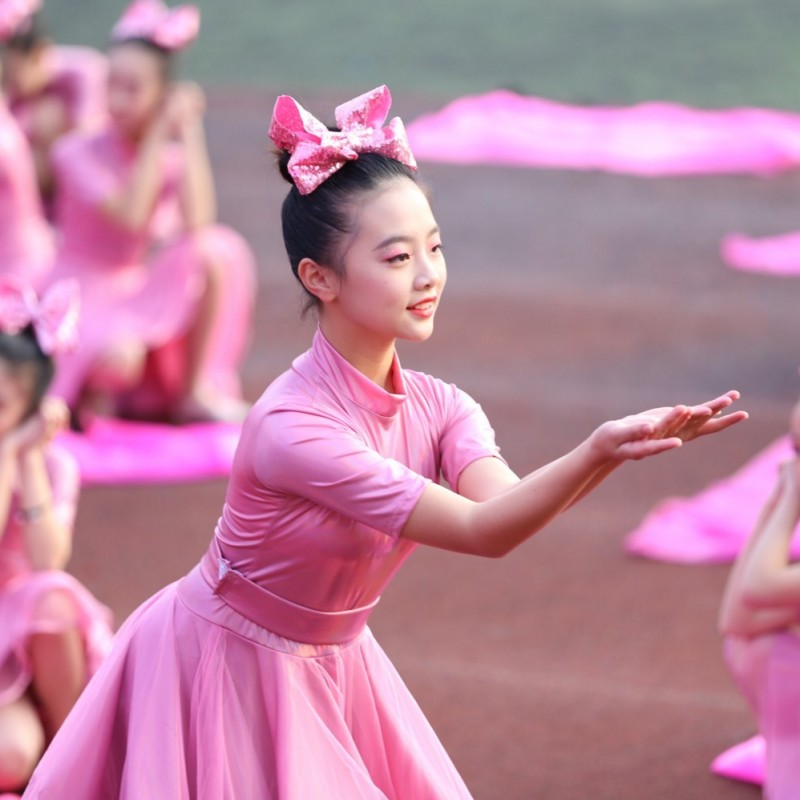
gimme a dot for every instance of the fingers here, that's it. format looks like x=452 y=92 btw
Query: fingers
x=644 y=448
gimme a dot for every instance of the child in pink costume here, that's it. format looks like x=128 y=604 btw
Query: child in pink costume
x=166 y=293
x=53 y=633
x=760 y=618
x=51 y=89
x=26 y=244
x=256 y=675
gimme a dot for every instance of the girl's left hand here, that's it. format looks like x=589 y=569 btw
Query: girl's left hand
x=700 y=420
x=52 y=418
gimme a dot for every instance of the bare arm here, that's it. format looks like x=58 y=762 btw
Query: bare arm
x=494 y=511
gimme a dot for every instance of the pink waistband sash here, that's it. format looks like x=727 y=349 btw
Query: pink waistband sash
x=275 y=613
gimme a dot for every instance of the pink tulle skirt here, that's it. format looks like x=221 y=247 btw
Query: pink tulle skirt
x=154 y=304
x=197 y=702
x=25 y=610
x=767 y=670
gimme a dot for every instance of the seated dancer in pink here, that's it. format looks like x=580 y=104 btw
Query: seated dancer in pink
x=51 y=89
x=760 y=618
x=26 y=243
x=256 y=675
x=53 y=633
x=166 y=294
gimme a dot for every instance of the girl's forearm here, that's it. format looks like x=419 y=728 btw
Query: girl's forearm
x=197 y=193
x=47 y=542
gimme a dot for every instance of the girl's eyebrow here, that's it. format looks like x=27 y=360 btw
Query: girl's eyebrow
x=396 y=239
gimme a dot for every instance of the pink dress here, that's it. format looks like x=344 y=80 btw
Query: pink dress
x=26 y=244
x=78 y=77
x=255 y=676
x=24 y=594
x=143 y=286
x=767 y=670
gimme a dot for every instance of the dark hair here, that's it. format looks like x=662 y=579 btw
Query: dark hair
x=28 y=36
x=314 y=224
x=166 y=58
x=22 y=351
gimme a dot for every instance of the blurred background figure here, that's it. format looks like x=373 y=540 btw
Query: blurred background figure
x=53 y=633
x=166 y=293
x=51 y=89
x=26 y=245
x=760 y=619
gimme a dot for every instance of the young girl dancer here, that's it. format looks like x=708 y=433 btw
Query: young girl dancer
x=53 y=633
x=760 y=618
x=166 y=294
x=51 y=89
x=256 y=676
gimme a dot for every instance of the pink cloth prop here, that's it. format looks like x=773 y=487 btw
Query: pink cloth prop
x=54 y=317
x=13 y=13
x=172 y=29
x=33 y=602
x=26 y=243
x=115 y=451
x=767 y=670
x=743 y=762
x=648 y=139
x=317 y=152
x=712 y=526
x=773 y=255
x=255 y=675
x=143 y=286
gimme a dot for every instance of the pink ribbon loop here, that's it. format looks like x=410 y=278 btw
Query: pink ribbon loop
x=13 y=13
x=54 y=317
x=317 y=153
x=172 y=29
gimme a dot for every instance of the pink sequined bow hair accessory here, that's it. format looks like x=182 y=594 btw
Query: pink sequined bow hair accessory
x=13 y=14
x=54 y=317
x=170 y=28
x=316 y=152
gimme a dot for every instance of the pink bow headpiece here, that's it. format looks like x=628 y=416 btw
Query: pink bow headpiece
x=13 y=13
x=54 y=317
x=316 y=152
x=172 y=29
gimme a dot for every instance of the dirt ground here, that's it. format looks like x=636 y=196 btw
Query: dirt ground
x=566 y=670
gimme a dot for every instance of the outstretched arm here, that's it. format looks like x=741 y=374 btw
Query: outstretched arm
x=494 y=511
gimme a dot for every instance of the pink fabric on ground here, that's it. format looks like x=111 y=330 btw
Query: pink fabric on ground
x=774 y=255
x=502 y=127
x=743 y=762
x=712 y=526
x=116 y=451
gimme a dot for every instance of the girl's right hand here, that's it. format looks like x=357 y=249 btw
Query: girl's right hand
x=38 y=430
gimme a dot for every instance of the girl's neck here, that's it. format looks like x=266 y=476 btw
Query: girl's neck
x=372 y=357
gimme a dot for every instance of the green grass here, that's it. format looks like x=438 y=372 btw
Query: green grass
x=704 y=52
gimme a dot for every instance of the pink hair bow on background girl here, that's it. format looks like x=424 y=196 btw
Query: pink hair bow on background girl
x=13 y=13
x=172 y=29
x=316 y=152
x=54 y=317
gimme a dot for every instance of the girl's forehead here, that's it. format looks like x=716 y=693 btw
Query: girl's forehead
x=400 y=203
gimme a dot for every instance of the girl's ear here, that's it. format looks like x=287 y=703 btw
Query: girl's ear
x=320 y=281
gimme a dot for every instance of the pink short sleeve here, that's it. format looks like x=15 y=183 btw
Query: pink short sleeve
x=316 y=457
x=466 y=437
x=62 y=470
x=79 y=172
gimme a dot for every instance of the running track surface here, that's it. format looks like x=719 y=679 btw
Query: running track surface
x=567 y=670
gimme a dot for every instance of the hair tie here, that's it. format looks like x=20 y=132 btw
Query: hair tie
x=170 y=28
x=317 y=153
x=54 y=318
x=13 y=13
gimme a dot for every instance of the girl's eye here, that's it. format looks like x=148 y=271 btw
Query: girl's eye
x=438 y=248
x=400 y=257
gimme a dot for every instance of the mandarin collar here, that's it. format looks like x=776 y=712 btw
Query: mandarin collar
x=346 y=380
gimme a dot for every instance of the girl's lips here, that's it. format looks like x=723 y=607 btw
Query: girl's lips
x=424 y=308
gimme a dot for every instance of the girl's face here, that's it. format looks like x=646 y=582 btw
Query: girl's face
x=394 y=269
x=16 y=387
x=136 y=88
